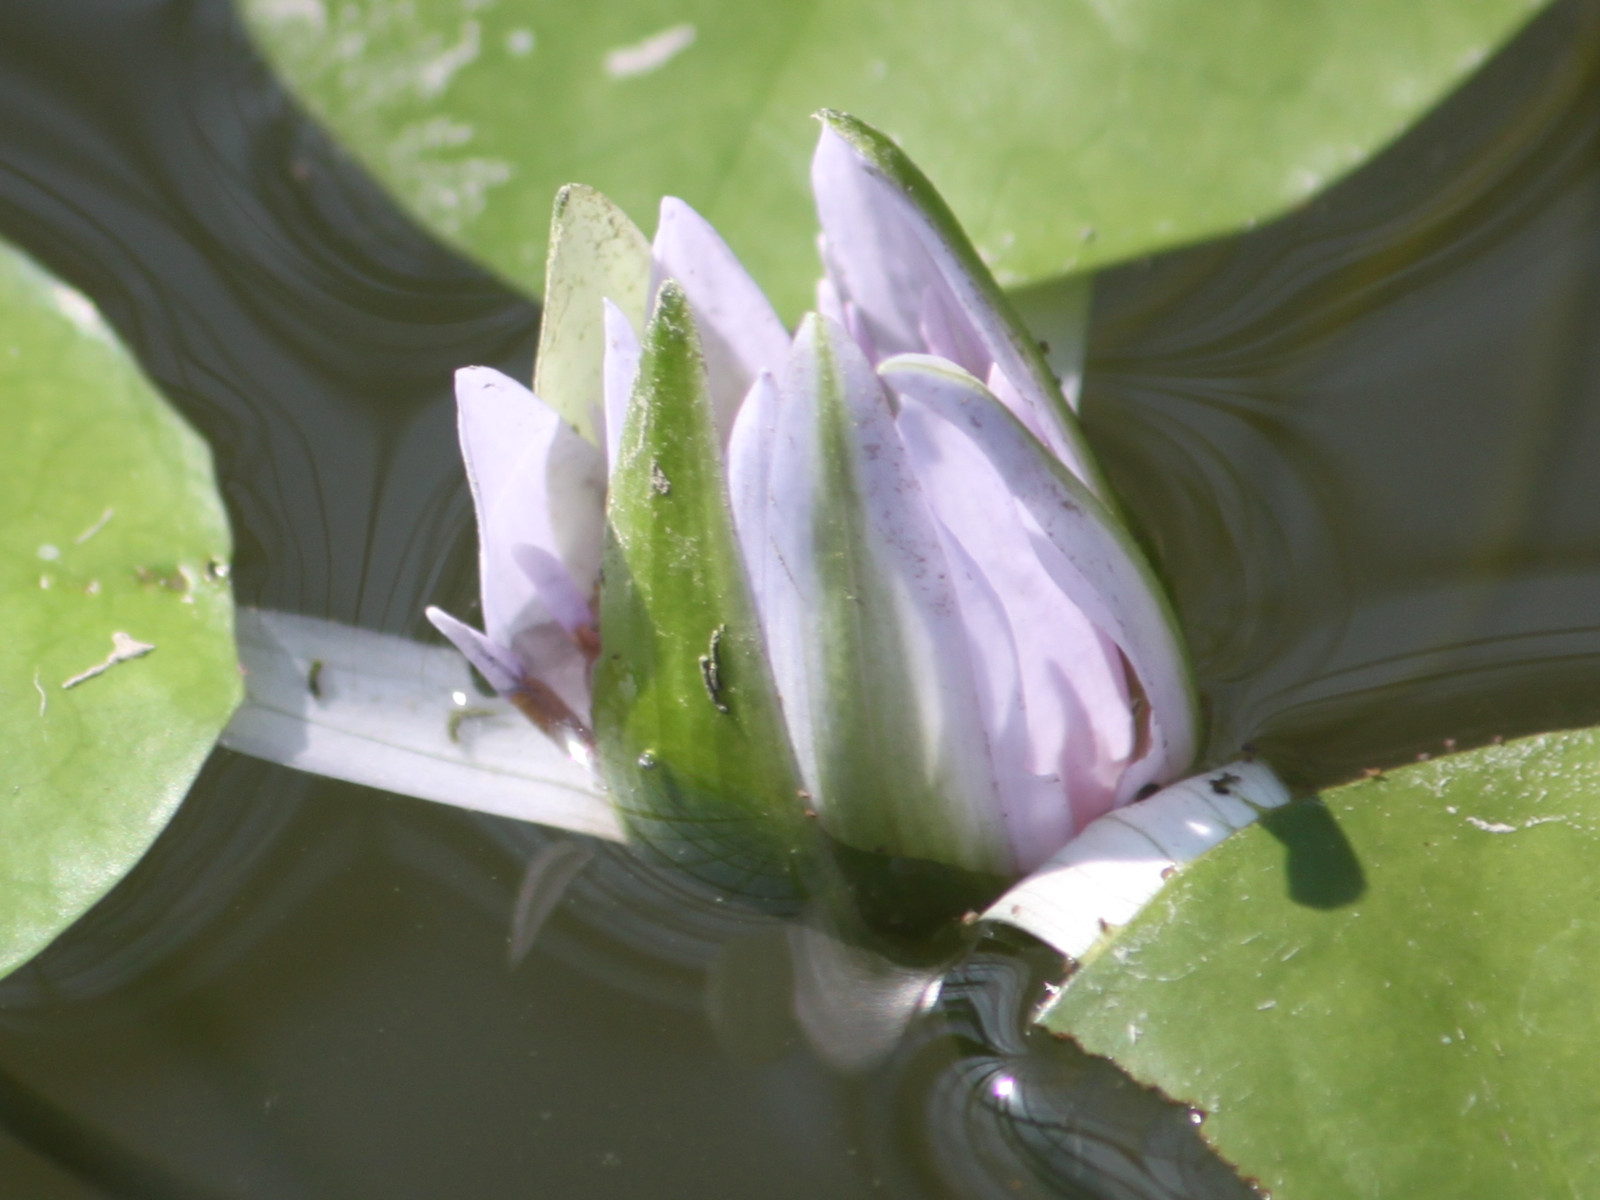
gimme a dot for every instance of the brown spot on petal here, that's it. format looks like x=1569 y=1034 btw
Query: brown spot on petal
x=539 y=703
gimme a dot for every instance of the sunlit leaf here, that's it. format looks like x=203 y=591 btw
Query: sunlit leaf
x=1064 y=135
x=117 y=664
x=1385 y=991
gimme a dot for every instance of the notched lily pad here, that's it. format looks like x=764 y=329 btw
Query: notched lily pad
x=118 y=666
x=1388 y=990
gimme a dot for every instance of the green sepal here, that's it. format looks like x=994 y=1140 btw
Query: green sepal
x=692 y=741
x=596 y=253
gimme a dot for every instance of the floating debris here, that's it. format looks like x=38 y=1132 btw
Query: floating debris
x=95 y=528
x=124 y=647
x=651 y=54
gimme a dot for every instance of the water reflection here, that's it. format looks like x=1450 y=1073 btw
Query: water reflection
x=1357 y=442
x=1360 y=441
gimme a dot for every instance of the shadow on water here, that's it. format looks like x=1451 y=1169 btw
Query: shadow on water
x=1358 y=442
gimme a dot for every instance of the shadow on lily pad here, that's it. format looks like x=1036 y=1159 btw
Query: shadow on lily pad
x=1322 y=866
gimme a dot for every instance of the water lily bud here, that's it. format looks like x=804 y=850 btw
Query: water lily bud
x=864 y=588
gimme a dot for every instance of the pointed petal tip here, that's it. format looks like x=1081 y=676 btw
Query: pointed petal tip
x=867 y=144
x=569 y=192
x=492 y=662
x=472 y=380
x=564 y=195
x=836 y=120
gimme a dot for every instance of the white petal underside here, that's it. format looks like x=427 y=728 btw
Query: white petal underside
x=400 y=716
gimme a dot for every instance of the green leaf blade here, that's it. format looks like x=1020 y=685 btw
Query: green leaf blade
x=112 y=526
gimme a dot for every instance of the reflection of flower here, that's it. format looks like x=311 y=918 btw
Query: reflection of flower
x=971 y=656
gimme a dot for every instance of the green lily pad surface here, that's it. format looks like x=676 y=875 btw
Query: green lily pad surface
x=1388 y=991
x=117 y=670
x=1064 y=133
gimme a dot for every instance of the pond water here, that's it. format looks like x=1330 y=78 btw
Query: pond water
x=1358 y=441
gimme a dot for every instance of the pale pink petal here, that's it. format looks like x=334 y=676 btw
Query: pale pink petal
x=1072 y=722
x=568 y=606
x=498 y=666
x=873 y=252
x=946 y=332
x=551 y=655
x=620 y=369
x=889 y=258
x=535 y=482
x=750 y=447
x=739 y=331
x=1048 y=537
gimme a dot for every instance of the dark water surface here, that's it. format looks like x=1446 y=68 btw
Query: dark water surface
x=1360 y=441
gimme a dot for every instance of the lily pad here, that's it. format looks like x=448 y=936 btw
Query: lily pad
x=1384 y=991
x=117 y=665
x=1064 y=135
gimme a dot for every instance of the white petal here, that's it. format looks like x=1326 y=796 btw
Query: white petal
x=1082 y=549
x=621 y=369
x=739 y=331
x=1103 y=877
